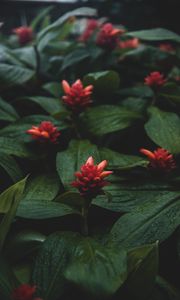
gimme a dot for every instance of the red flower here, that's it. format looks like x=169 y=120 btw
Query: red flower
x=129 y=44
x=166 y=47
x=77 y=97
x=92 y=24
x=155 y=79
x=46 y=131
x=24 y=292
x=160 y=159
x=108 y=36
x=90 y=180
x=24 y=33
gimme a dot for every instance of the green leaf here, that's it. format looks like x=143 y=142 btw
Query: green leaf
x=43 y=209
x=97 y=269
x=105 y=82
x=121 y=161
x=117 y=118
x=71 y=198
x=50 y=105
x=10 y=146
x=163 y=290
x=7 y=112
x=148 y=223
x=75 y=57
x=23 y=245
x=163 y=128
x=51 y=263
x=128 y=196
x=70 y=160
x=9 y=202
x=9 y=164
x=51 y=32
x=54 y=88
x=11 y=75
x=138 y=91
x=42 y=187
x=156 y=34
x=40 y=17
x=143 y=268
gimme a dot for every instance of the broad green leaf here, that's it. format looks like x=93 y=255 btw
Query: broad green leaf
x=7 y=280
x=128 y=196
x=75 y=57
x=156 y=34
x=27 y=56
x=23 y=245
x=121 y=161
x=104 y=82
x=9 y=202
x=43 y=209
x=42 y=187
x=73 y=199
x=11 y=75
x=163 y=128
x=70 y=160
x=97 y=269
x=9 y=164
x=10 y=146
x=7 y=111
x=49 y=33
x=40 y=17
x=117 y=118
x=148 y=223
x=51 y=263
x=143 y=268
x=138 y=105
x=137 y=91
x=54 y=88
x=50 y=105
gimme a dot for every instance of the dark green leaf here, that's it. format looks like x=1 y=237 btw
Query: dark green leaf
x=163 y=128
x=117 y=118
x=9 y=164
x=156 y=34
x=7 y=112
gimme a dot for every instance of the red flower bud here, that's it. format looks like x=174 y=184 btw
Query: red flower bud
x=155 y=79
x=77 y=98
x=108 y=36
x=92 y=24
x=129 y=44
x=46 y=131
x=24 y=33
x=160 y=159
x=90 y=180
x=24 y=292
x=166 y=47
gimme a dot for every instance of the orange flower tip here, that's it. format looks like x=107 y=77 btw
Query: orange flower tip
x=148 y=153
x=34 y=132
x=90 y=161
x=45 y=134
x=116 y=31
x=106 y=173
x=66 y=86
x=102 y=165
x=78 y=81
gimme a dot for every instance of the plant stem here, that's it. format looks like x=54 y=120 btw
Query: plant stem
x=74 y=119
x=38 y=60
x=85 y=230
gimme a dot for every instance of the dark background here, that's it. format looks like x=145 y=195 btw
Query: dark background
x=134 y=14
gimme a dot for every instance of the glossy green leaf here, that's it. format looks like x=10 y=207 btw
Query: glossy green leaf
x=9 y=202
x=156 y=34
x=7 y=112
x=9 y=164
x=104 y=82
x=10 y=146
x=51 y=263
x=121 y=161
x=117 y=118
x=163 y=128
x=148 y=223
x=143 y=268
x=43 y=209
x=50 y=105
x=42 y=187
x=97 y=269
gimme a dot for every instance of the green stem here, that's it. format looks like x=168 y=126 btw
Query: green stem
x=85 y=230
x=38 y=60
x=74 y=119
